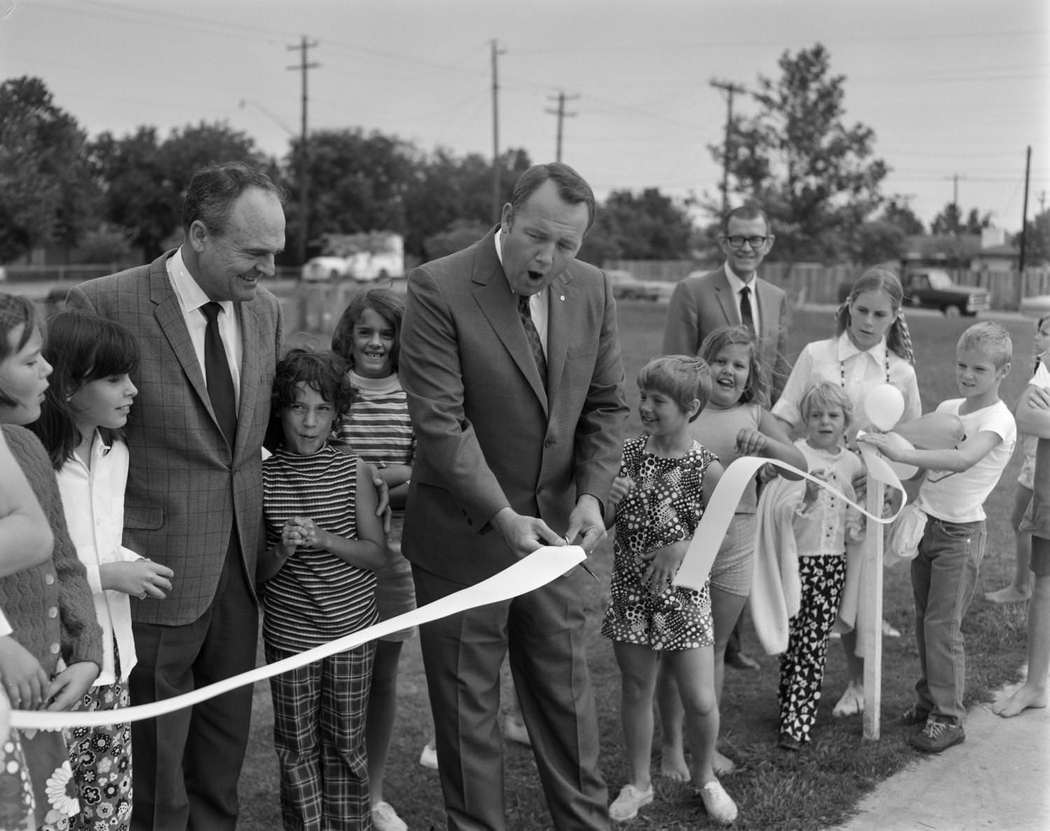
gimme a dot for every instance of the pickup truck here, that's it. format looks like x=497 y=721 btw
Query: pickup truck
x=932 y=288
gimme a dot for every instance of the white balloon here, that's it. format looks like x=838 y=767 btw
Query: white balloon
x=902 y=470
x=884 y=406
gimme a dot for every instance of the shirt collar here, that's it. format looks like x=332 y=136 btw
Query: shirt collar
x=847 y=349
x=736 y=282
x=190 y=295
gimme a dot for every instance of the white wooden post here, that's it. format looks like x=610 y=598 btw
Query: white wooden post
x=872 y=586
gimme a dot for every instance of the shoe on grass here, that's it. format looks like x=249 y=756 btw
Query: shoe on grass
x=625 y=806
x=913 y=715
x=938 y=735
x=429 y=757
x=851 y=703
x=719 y=805
x=788 y=742
x=514 y=730
x=741 y=660
x=385 y=818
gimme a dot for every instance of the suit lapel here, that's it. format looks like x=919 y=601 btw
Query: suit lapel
x=730 y=308
x=169 y=317
x=498 y=305
x=251 y=369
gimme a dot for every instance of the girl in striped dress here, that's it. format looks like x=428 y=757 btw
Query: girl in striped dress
x=378 y=429
x=324 y=544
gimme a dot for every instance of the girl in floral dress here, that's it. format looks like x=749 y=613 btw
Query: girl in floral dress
x=665 y=480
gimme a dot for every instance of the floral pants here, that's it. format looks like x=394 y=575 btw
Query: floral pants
x=802 y=665
x=101 y=760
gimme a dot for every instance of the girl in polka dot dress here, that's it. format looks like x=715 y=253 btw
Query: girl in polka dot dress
x=665 y=480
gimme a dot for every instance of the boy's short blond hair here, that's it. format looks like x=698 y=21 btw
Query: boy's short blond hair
x=991 y=339
x=827 y=394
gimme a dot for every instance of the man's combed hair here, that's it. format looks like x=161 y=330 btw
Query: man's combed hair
x=213 y=190
x=747 y=211
x=572 y=187
x=991 y=339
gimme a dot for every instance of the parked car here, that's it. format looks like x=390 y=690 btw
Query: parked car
x=628 y=287
x=932 y=288
x=322 y=269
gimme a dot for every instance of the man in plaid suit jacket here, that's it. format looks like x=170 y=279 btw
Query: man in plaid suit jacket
x=194 y=494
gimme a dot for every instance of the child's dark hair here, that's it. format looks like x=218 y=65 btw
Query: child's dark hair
x=1039 y=328
x=81 y=347
x=324 y=372
x=757 y=388
x=385 y=303
x=15 y=311
x=898 y=338
x=681 y=377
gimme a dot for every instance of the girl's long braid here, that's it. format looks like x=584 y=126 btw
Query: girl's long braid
x=898 y=339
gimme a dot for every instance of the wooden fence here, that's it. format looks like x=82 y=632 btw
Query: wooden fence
x=816 y=283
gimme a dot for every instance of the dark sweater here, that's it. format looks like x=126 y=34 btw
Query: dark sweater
x=49 y=606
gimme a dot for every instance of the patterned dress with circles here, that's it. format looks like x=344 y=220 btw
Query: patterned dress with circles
x=664 y=506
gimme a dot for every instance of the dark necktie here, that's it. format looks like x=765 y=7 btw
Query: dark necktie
x=533 y=337
x=217 y=374
x=746 y=317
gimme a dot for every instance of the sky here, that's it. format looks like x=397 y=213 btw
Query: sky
x=955 y=90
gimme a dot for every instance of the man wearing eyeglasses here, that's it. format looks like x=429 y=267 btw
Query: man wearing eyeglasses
x=734 y=294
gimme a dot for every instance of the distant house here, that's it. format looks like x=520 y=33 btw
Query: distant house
x=985 y=252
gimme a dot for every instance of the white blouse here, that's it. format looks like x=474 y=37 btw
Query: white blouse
x=839 y=361
x=93 y=502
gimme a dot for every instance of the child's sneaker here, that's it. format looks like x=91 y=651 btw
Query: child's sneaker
x=429 y=757
x=625 y=806
x=385 y=818
x=514 y=730
x=719 y=805
x=938 y=735
x=851 y=703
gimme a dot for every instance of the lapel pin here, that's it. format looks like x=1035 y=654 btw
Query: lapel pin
x=561 y=297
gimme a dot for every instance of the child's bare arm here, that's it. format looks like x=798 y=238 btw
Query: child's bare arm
x=957 y=459
x=772 y=441
x=1033 y=412
x=711 y=477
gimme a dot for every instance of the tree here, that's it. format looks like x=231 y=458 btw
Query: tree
x=143 y=180
x=649 y=226
x=898 y=212
x=1037 y=239
x=815 y=176
x=46 y=191
x=950 y=221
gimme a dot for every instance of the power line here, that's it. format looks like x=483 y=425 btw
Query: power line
x=562 y=115
x=304 y=66
x=729 y=88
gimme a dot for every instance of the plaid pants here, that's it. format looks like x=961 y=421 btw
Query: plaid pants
x=802 y=665
x=319 y=735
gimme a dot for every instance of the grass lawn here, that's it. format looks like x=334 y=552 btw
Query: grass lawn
x=815 y=789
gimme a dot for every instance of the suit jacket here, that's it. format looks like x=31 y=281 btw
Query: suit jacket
x=488 y=434
x=186 y=485
x=706 y=302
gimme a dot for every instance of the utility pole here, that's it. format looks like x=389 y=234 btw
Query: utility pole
x=562 y=115
x=496 y=204
x=304 y=148
x=1024 y=214
x=730 y=89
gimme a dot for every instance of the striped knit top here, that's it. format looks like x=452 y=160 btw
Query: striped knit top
x=316 y=596
x=378 y=428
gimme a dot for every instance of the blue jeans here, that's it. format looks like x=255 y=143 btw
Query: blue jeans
x=944 y=579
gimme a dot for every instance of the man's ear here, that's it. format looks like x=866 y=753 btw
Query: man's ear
x=196 y=235
x=506 y=217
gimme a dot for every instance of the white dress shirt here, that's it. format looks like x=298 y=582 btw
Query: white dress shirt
x=839 y=361
x=736 y=284
x=93 y=503
x=191 y=298
x=537 y=302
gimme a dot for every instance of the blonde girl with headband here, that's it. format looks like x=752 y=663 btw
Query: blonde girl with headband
x=872 y=346
x=666 y=479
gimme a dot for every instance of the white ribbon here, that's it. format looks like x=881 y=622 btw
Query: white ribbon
x=537 y=569
x=711 y=530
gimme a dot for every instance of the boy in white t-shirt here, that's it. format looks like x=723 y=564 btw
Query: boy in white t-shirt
x=945 y=572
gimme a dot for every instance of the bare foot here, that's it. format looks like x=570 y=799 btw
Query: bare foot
x=672 y=764
x=722 y=764
x=1008 y=594
x=1024 y=697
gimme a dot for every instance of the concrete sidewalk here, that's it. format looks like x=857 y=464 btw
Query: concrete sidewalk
x=999 y=778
